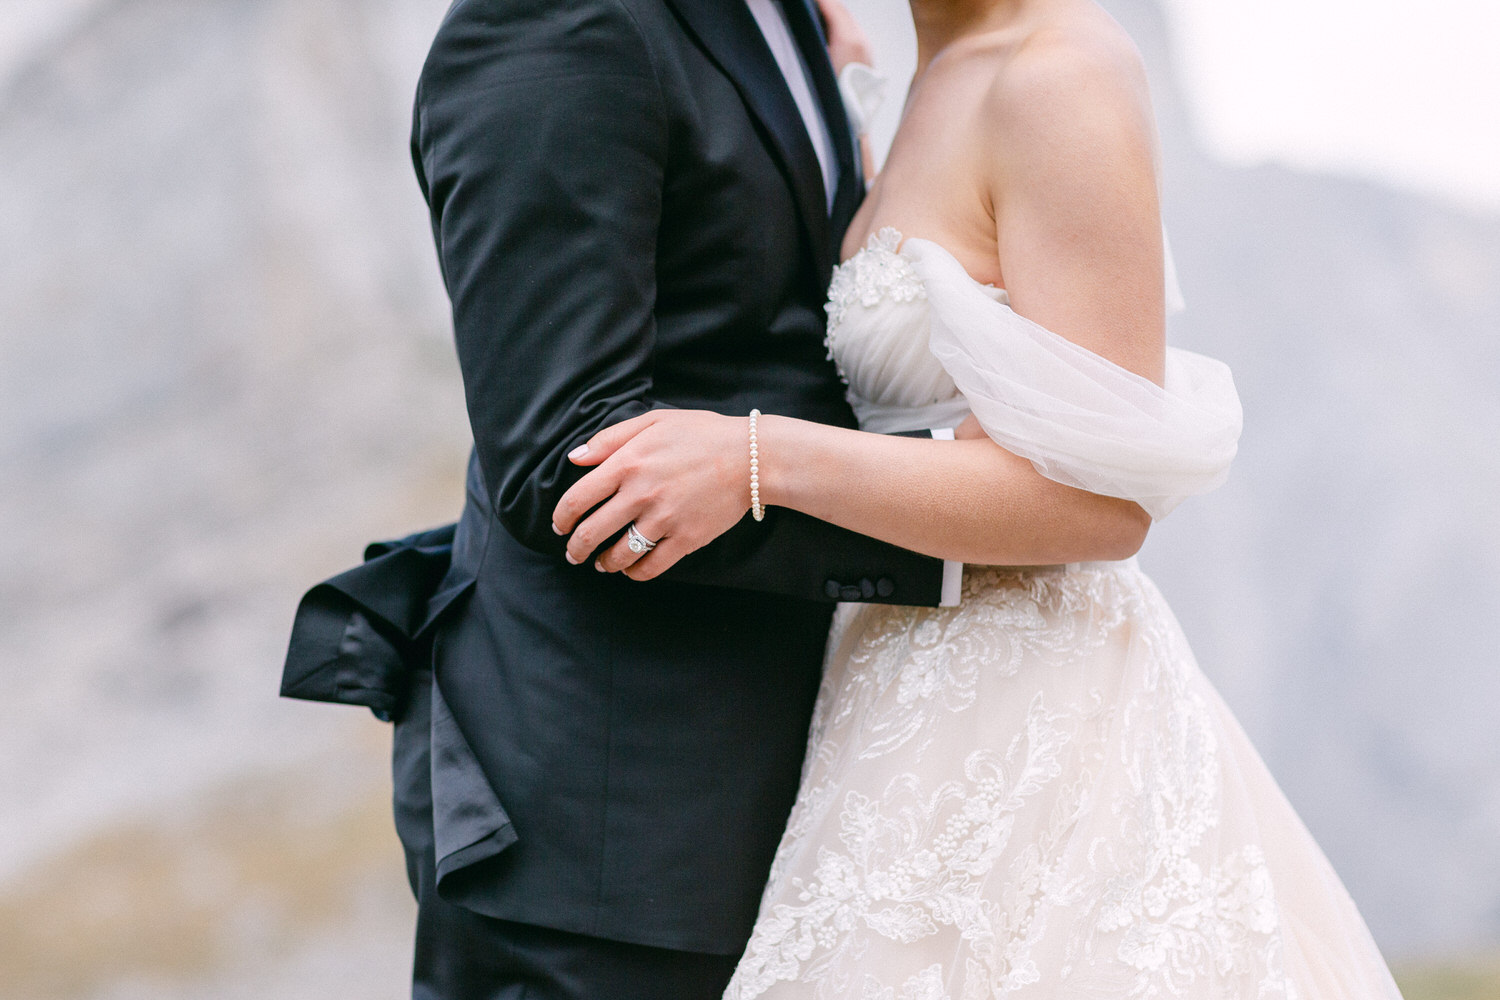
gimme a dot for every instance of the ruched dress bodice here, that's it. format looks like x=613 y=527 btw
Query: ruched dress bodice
x=878 y=329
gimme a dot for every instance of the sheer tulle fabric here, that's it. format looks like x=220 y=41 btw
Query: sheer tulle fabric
x=1079 y=418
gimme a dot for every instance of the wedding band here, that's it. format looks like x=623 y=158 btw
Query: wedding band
x=637 y=542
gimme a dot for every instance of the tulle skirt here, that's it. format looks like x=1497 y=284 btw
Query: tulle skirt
x=1038 y=794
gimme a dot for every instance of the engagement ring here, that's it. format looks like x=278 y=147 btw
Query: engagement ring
x=638 y=543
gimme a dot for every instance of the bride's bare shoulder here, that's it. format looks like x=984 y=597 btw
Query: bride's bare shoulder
x=1070 y=170
x=1074 y=86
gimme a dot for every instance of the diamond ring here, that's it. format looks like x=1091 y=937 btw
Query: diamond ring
x=637 y=542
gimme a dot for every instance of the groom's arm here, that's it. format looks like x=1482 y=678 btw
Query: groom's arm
x=540 y=140
x=792 y=553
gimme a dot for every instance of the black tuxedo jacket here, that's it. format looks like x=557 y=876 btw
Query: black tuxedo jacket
x=629 y=214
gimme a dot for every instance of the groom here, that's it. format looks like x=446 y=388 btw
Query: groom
x=637 y=204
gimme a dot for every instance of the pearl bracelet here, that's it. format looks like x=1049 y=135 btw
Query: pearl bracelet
x=756 y=510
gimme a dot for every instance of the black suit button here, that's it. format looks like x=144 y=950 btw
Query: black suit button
x=831 y=588
x=885 y=586
x=849 y=594
x=866 y=589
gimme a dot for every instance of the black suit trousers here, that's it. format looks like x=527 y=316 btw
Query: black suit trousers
x=462 y=955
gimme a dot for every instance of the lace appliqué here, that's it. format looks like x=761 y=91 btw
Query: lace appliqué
x=1051 y=822
x=876 y=272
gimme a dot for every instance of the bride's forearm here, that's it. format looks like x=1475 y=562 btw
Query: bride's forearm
x=970 y=501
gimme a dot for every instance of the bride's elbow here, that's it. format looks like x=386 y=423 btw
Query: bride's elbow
x=1110 y=530
x=1094 y=528
x=1125 y=531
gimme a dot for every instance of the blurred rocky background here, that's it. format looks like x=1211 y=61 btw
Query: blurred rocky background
x=224 y=367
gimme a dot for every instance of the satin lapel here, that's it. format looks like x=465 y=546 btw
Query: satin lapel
x=810 y=38
x=728 y=32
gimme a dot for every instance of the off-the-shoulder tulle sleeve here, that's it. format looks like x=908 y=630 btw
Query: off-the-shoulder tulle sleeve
x=1079 y=418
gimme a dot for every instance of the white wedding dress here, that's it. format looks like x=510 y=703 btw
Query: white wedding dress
x=1037 y=794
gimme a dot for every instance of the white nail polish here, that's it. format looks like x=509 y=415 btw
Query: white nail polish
x=578 y=452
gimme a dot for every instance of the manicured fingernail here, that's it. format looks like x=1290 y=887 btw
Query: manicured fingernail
x=599 y=565
x=569 y=556
x=578 y=452
x=556 y=530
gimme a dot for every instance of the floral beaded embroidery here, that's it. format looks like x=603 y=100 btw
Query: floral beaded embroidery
x=1164 y=902
x=878 y=271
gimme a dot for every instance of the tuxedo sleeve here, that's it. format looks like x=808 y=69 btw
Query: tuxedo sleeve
x=541 y=141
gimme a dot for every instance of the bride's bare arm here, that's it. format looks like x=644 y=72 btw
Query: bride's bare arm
x=1073 y=188
x=970 y=501
x=1073 y=193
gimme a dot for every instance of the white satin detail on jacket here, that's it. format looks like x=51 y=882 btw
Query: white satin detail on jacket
x=1036 y=794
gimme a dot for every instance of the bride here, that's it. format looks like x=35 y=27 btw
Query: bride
x=1034 y=792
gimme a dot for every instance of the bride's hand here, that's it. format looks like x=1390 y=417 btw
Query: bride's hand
x=681 y=476
x=847 y=41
